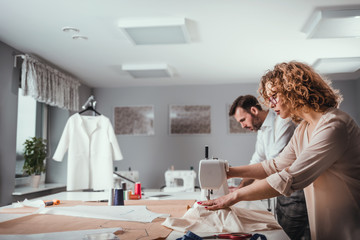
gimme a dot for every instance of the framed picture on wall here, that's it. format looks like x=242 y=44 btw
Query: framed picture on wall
x=190 y=119
x=233 y=126
x=134 y=120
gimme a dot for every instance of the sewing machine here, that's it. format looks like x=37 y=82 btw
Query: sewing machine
x=212 y=178
x=180 y=181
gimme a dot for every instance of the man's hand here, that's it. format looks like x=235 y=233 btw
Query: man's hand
x=231 y=173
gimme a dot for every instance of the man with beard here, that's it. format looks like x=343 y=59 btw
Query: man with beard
x=273 y=134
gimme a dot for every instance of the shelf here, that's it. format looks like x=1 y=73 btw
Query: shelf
x=20 y=191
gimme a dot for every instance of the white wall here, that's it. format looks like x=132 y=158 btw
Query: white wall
x=350 y=92
x=153 y=155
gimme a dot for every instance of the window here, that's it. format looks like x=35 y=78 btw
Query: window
x=32 y=121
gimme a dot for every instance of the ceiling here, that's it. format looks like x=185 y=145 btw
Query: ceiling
x=231 y=41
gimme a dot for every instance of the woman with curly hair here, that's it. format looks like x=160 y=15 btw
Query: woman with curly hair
x=323 y=156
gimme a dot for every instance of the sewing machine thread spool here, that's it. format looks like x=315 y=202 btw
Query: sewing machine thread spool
x=119 y=197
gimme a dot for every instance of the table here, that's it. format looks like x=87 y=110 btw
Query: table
x=156 y=195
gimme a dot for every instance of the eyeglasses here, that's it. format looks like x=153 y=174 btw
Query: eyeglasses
x=273 y=100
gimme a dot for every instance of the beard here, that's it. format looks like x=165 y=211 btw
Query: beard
x=256 y=122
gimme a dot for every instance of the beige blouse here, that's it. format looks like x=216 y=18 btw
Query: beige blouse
x=328 y=169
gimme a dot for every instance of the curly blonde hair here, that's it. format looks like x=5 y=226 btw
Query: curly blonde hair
x=301 y=88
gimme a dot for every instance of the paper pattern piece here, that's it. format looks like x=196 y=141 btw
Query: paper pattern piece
x=233 y=219
x=6 y=217
x=39 y=223
x=123 y=213
x=97 y=234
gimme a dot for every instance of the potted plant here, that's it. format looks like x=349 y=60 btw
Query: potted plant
x=34 y=155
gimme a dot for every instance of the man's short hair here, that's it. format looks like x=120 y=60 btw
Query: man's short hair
x=245 y=102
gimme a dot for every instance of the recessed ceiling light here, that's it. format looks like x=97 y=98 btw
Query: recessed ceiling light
x=79 y=37
x=334 y=24
x=70 y=29
x=156 y=30
x=337 y=65
x=148 y=70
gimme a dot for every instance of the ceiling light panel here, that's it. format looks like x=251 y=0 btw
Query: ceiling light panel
x=334 y=24
x=148 y=70
x=337 y=65
x=156 y=31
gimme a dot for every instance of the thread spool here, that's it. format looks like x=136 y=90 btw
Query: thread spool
x=138 y=189
x=111 y=197
x=119 y=197
x=126 y=194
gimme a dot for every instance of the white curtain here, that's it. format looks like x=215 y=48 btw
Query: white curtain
x=48 y=85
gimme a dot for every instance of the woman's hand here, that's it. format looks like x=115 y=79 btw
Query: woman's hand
x=221 y=202
x=232 y=189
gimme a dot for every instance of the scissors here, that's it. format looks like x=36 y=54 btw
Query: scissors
x=234 y=236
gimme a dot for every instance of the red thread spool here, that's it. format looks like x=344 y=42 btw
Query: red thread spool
x=138 y=189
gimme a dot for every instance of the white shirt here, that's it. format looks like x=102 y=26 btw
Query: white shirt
x=272 y=137
x=92 y=146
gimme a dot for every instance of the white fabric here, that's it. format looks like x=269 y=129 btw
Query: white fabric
x=328 y=167
x=121 y=213
x=272 y=137
x=29 y=203
x=49 y=85
x=92 y=146
x=233 y=219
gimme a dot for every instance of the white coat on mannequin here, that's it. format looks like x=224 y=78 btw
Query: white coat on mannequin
x=92 y=147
